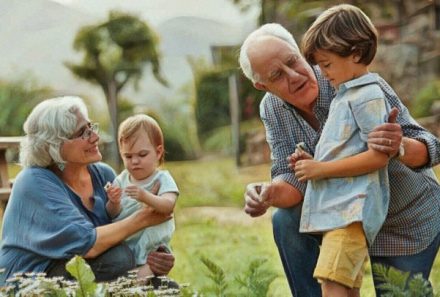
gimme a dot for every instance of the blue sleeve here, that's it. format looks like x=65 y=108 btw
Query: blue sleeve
x=42 y=219
x=369 y=111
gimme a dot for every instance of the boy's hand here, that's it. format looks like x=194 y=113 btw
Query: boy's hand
x=296 y=156
x=307 y=169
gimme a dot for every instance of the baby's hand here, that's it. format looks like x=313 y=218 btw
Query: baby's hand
x=134 y=192
x=114 y=193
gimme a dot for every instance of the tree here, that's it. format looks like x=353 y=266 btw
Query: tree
x=297 y=15
x=116 y=52
x=17 y=98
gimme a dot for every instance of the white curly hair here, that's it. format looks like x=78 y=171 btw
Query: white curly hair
x=271 y=29
x=48 y=125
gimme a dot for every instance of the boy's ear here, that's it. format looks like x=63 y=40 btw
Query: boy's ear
x=356 y=56
x=260 y=86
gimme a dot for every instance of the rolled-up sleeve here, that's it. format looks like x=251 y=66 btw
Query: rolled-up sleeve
x=411 y=128
x=280 y=141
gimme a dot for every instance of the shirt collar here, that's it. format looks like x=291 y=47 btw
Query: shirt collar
x=363 y=80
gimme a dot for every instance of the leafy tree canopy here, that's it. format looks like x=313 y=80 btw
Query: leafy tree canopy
x=17 y=98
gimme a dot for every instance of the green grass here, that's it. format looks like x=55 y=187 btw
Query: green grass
x=213 y=181
x=230 y=242
x=233 y=244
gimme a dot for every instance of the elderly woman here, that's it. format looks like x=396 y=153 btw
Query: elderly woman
x=57 y=205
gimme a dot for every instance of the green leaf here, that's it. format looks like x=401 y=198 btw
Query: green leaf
x=82 y=272
x=217 y=275
x=257 y=279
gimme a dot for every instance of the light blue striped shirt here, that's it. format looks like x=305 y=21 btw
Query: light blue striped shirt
x=359 y=106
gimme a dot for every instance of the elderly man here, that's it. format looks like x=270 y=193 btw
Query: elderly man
x=294 y=110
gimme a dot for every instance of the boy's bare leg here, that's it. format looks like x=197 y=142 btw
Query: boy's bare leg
x=333 y=289
x=355 y=292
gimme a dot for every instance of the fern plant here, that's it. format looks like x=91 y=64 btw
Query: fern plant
x=217 y=275
x=396 y=283
x=257 y=279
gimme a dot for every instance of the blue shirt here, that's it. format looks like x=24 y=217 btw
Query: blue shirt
x=359 y=107
x=45 y=220
x=413 y=219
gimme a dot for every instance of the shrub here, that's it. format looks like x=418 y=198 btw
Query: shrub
x=421 y=106
x=399 y=284
x=31 y=284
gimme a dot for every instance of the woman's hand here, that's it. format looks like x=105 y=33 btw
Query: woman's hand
x=147 y=217
x=160 y=262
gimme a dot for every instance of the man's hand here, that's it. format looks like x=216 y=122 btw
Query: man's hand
x=256 y=199
x=161 y=262
x=387 y=137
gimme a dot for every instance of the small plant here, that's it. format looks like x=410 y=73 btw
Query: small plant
x=37 y=284
x=257 y=279
x=254 y=282
x=399 y=284
x=217 y=275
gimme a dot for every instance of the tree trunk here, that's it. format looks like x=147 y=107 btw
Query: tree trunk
x=112 y=97
x=234 y=106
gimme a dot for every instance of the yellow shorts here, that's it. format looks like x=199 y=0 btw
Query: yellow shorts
x=343 y=255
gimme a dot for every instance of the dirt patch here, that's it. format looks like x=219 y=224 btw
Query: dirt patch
x=222 y=215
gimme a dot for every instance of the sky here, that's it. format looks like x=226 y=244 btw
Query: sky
x=39 y=36
x=157 y=11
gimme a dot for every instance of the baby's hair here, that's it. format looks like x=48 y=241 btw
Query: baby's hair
x=343 y=30
x=129 y=131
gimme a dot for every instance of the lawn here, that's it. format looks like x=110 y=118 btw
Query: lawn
x=210 y=223
x=231 y=242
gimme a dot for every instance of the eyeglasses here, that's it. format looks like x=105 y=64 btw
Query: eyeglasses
x=86 y=132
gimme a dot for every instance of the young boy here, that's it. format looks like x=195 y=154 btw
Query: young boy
x=141 y=146
x=347 y=192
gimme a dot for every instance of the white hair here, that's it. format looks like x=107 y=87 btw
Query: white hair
x=48 y=125
x=272 y=29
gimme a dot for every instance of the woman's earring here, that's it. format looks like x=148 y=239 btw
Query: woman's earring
x=61 y=166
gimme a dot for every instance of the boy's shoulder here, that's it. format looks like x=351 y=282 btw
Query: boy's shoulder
x=364 y=89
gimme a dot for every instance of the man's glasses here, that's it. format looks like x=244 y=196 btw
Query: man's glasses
x=87 y=131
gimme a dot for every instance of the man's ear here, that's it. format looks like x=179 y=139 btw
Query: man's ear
x=260 y=86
